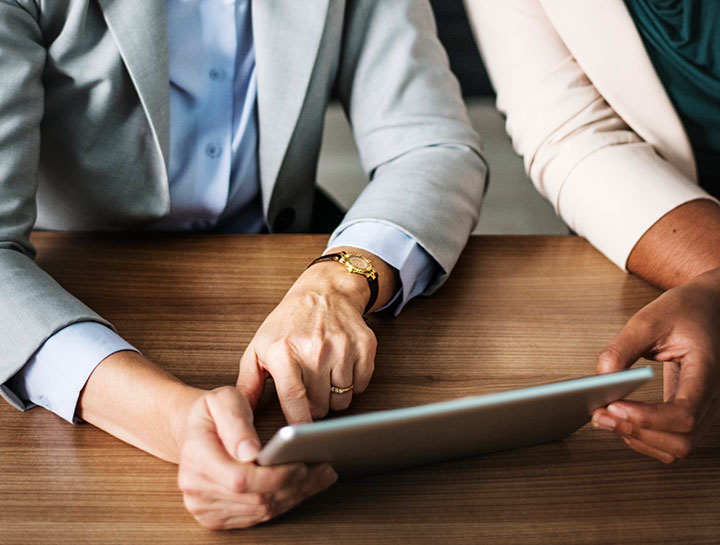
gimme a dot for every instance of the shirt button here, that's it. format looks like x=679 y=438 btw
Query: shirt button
x=217 y=74
x=284 y=220
x=213 y=150
x=201 y=225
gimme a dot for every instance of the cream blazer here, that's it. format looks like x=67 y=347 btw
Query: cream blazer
x=586 y=110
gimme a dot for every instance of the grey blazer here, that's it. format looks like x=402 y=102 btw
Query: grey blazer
x=84 y=114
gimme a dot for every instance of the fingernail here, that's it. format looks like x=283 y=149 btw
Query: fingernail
x=328 y=475
x=247 y=451
x=603 y=422
x=300 y=473
x=618 y=411
x=323 y=477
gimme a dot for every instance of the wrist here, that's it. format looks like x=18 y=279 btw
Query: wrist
x=331 y=279
x=179 y=407
x=680 y=246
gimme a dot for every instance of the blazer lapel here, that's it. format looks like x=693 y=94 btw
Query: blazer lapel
x=602 y=37
x=287 y=36
x=140 y=29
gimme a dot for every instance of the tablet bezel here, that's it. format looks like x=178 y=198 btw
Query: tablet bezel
x=448 y=429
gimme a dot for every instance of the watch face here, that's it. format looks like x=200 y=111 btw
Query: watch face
x=358 y=262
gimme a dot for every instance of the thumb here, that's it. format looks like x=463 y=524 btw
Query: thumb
x=635 y=340
x=251 y=377
x=233 y=417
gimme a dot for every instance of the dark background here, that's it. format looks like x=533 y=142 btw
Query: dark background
x=456 y=36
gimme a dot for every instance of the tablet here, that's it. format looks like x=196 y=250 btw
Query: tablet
x=387 y=440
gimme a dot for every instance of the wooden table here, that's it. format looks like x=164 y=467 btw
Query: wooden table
x=518 y=311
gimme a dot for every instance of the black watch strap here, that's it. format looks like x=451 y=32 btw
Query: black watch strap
x=373 y=283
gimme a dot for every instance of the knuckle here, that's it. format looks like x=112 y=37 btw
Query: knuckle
x=185 y=482
x=190 y=504
x=371 y=340
x=313 y=364
x=255 y=498
x=266 y=517
x=683 y=449
x=210 y=522
x=363 y=375
x=344 y=348
x=223 y=393
x=689 y=420
x=609 y=356
x=286 y=476
x=238 y=482
x=641 y=421
x=198 y=509
x=318 y=410
x=368 y=369
x=312 y=345
x=688 y=423
x=366 y=342
x=365 y=351
x=641 y=321
x=265 y=510
x=295 y=392
x=278 y=351
x=339 y=338
x=189 y=456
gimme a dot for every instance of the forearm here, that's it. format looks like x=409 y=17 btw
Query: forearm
x=133 y=399
x=679 y=246
x=209 y=434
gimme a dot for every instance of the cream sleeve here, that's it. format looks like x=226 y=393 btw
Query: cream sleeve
x=604 y=181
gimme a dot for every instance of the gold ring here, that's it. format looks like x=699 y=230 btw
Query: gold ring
x=336 y=390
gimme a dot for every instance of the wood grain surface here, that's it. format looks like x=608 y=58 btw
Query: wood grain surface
x=517 y=311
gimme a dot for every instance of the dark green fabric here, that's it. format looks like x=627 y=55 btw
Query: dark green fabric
x=682 y=38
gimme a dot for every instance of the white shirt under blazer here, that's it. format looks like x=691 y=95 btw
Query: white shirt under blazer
x=586 y=110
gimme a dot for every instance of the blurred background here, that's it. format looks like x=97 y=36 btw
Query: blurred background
x=512 y=205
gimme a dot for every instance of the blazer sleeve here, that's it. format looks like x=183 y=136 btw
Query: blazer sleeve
x=33 y=305
x=412 y=131
x=604 y=181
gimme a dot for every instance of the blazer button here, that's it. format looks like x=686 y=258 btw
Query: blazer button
x=283 y=220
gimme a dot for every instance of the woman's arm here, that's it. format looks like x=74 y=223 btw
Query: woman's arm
x=633 y=205
x=209 y=434
x=604 y=181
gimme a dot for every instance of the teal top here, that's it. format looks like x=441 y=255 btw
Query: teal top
x=682 y=38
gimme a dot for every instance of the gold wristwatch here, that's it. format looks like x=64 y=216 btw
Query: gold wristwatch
x=355 y=264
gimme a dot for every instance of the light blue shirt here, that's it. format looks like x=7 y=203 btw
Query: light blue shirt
x=213 y=179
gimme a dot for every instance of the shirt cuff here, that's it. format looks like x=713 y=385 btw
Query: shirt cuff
x=54 y=377
x=396 y=248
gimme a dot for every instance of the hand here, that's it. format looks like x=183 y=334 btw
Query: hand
x=682 y=329
x=316 y=337
x=222 y=488
x=209 y=434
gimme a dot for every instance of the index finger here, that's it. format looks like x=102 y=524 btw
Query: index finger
x=636 y=339
x=207 y=454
